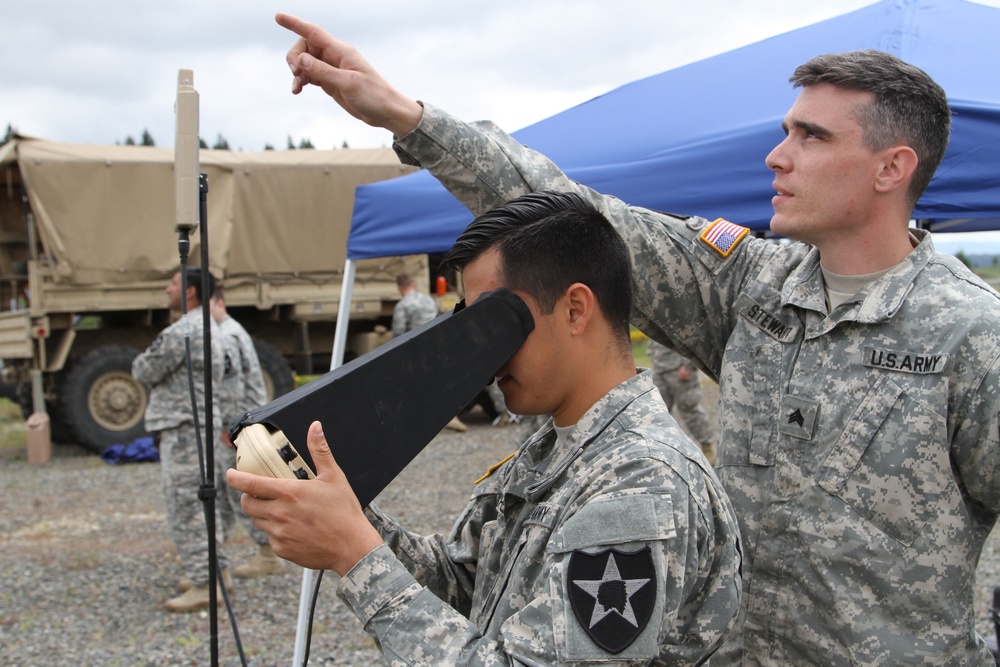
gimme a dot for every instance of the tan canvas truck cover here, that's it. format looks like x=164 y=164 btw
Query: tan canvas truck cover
x=88 y=242
x=105 y=215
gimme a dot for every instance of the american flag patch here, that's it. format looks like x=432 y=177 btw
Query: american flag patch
x=723 y=236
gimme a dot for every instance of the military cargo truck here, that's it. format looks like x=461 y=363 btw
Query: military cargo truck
x=88 y=244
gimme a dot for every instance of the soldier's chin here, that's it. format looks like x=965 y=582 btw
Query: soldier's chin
x=510 y=399
x=782 y=225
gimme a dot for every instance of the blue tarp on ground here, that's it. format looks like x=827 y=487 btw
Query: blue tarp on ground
x=693 y=139
x=138 y=451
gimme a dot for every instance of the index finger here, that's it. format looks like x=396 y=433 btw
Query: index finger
x=254 y=485
x=296 y=25
x=301 y=28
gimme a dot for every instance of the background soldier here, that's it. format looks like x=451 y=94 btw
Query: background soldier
x=680 y=384
x=242 y=389
x=170 y=417
x=414 y=309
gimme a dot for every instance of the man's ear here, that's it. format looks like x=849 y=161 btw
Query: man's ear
x=581 y=307
x=896 y=169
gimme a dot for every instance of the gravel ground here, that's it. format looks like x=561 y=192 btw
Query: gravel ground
x=85 y=563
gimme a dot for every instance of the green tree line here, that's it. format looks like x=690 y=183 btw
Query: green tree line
x=146 y=139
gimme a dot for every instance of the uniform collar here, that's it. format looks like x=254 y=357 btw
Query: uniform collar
x=881 y=299
x=591 y=425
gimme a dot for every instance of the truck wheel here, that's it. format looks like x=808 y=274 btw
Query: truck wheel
x=278 y=378
x=100 y=399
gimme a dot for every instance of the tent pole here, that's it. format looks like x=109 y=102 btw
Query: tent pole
x=343 y=314
x=336 y=359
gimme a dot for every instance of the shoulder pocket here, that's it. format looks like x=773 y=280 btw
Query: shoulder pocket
x=625 y=526
x=619 y=520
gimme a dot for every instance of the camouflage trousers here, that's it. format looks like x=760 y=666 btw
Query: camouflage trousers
x=180 y=475
x=229 y=498
x=687 y=396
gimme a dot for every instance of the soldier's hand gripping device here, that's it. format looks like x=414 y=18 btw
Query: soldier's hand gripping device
x=380 y=410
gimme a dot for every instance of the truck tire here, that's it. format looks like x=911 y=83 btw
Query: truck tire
x=101 y=401
x=278 y=378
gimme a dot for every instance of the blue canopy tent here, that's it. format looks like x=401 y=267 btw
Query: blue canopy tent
x=693 y=139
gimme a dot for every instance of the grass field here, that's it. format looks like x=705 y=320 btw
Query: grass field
x=12 y=432
x=639 y=351
x=988 y=272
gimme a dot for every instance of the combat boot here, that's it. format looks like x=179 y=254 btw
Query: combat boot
x=192 y=599
x=263 y=563
x=186 y=584
x=456 y=424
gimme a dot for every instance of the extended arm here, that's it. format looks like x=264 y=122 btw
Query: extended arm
x=319 y=59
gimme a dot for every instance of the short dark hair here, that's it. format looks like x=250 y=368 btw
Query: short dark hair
x=404 y=280
x=548 y=241
x=194 y=280
x=908 y=107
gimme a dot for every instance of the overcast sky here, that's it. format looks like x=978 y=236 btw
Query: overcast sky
x=99 y=71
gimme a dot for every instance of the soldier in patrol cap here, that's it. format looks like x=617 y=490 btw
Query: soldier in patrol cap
x=162 y=368
x=858 y=368
x=605 y=538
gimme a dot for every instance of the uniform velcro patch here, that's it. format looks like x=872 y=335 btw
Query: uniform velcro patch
x=612 y=595
x=723 y=236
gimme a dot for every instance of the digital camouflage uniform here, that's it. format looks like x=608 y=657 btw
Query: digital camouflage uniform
x=685 y=394
x=241 y=389
x=163 y=370
x=614 y=545
x=414 y=309
x=859 y=446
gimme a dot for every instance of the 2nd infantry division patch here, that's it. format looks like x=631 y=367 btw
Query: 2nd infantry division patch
x=612 y=594
x=723 y=236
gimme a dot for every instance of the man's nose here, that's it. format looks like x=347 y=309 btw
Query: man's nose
x=777 y=159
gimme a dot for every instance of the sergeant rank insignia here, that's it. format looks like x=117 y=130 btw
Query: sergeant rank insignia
x=612 y=594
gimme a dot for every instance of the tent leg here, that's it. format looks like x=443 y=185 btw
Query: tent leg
x=343 y=314
x=336 y=359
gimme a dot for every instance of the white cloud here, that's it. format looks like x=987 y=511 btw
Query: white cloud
x=96 y=72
